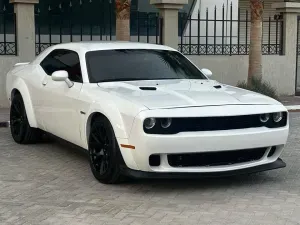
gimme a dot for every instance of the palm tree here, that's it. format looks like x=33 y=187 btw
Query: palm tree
x=123 y=20
x=255 y=53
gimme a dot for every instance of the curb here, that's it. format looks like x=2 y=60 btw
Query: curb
x=293 y=108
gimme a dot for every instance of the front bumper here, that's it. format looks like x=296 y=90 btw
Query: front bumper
x=202 y=141
x=169 y=175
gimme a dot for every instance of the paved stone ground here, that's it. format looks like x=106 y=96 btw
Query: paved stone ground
x=51 y=183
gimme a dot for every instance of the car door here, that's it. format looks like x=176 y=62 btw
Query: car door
x=61 y=106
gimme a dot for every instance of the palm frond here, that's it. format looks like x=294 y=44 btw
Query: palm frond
x=259 y=86
x=171 y=61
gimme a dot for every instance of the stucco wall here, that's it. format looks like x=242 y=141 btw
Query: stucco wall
x=279 y=71
x=6 y=63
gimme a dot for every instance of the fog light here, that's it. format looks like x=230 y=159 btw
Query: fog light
x=264 y=118
x=166 y=123
x=149 y=123
x=277 y=117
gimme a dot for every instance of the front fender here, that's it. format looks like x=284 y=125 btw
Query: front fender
x=121 y=120
x=20 y=85
x=121 y=124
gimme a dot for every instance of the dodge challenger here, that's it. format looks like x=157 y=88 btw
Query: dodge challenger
x=144 y=111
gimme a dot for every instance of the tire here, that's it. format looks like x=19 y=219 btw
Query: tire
x=20 y=129
x=104 y=152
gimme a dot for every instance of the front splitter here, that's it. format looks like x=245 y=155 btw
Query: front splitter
x=182 y=175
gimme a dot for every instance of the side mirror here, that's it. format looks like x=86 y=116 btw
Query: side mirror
x=62 y=75
x=206 y=72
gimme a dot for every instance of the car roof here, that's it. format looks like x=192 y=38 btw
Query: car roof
x=109 y=45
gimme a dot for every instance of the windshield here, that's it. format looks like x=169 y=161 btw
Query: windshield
x=139 y=64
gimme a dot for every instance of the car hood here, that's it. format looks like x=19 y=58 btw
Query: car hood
x=162 y=94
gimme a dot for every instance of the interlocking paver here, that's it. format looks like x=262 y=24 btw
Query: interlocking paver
x=51 y=183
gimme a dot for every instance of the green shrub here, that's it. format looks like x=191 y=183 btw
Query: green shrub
x=259 y=86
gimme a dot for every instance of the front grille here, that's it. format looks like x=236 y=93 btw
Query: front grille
x=219 y=123
x=223 y=158
x=214 y=124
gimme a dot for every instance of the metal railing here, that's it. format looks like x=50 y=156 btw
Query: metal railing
x=221 y=33
x=8 y=37
x=77 y=21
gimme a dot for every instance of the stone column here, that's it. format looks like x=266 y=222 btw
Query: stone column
x=290 y=11
x=25 y=28
x=169 y=13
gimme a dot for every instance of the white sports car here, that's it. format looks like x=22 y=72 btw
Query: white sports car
x=144 y=110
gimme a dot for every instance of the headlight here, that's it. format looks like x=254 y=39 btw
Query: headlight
x=149 y=123
x=264 y=117
x=166 y=123
x=277 y=117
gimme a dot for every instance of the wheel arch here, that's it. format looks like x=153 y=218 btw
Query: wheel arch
x=90 y=119
x=20 y=87
x=119 y=129
x=13 y=93
x=89 y=122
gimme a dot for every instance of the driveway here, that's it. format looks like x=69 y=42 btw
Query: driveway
x=51 y=183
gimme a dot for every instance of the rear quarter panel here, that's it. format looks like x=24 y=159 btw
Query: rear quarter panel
x=20 y=78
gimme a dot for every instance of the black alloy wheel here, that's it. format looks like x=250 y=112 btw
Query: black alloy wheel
x=104 y=152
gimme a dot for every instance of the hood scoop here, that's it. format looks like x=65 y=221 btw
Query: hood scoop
x=217 y=86
x=148 y=88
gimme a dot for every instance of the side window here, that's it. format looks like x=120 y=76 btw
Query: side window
x=63 y=60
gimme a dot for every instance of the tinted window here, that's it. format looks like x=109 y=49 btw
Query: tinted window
x=63 y=60
x=139 y=64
